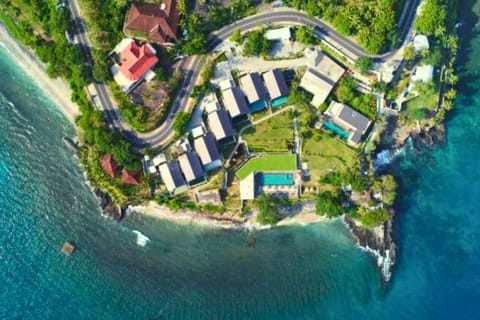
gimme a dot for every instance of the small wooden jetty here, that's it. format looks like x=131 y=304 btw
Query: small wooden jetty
x=68 y=248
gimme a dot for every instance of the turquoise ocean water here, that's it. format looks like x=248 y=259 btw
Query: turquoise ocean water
x=187 y=272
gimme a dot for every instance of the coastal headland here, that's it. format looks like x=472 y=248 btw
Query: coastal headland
x=291 y=122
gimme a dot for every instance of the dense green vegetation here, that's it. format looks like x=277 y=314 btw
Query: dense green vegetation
x=180 y=124
x=256 y=44
x=304 y=34
x=387 y=186
x=177 y=203
x=436 y=20
x=267 y=210
x=41 y=25
x=364 y=103
x=364 y=64
x=372 y=22
x=373 y=218
x=349 y=177
x=329 y=204
x=199 y=27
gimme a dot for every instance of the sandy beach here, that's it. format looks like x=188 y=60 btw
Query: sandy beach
x=305 y=214
x=57 y=90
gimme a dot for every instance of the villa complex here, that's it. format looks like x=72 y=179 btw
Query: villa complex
x=321 y=76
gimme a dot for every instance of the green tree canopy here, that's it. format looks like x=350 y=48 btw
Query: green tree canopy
x=374 y=218
x=364 y=64
x=267 y=210
x=328 y=204
x=433 y=17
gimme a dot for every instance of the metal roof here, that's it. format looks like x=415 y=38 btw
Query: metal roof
x=234 y=101
x=171 y=176
x=275 y=83
x=220 y=124
x=253 y=88
x=190 y=165
x=206 y=147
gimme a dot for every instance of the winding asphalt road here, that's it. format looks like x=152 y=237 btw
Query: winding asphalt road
x=164 y=133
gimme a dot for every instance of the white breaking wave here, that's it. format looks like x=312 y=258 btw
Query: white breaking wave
x=141 y=238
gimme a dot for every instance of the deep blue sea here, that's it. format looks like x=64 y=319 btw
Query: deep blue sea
x=187 y=272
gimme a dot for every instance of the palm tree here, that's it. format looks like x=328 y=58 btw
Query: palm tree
x=451 y=94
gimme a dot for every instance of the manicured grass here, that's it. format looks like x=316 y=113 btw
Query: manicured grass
x=413 y=109
x=324 y=153
x=272 y=135
x=272 y=162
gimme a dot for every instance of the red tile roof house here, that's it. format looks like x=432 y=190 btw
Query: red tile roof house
x=134 y=64
x=153 y=22
x=132 y=178
x=109 y=165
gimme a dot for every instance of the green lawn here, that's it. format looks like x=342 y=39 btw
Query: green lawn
x=413 y=109
x=324 y=153
x=273 y=135
x=272 y=162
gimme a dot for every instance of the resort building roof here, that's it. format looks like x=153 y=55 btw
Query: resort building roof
x=275 y=83
x=155 y=22
x=253 y=88
x=220 y=124
x=191 y=167
x=352 y=121
x=109 y=165
x=135 y=63
x=318 y=85
x=420 y=42
x=282 y=34
x=268 y=163
x=132 y=178
x=210 y=196
x=137 y=60
x=234 y=101
x=198 y=131
x=172 y=178
x=207 y=149
x=324 y=64
x=423 y=73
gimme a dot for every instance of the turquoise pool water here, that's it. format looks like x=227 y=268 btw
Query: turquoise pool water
x=257 y=106
x=336 y=129
x=276 y=179
x=279 y=101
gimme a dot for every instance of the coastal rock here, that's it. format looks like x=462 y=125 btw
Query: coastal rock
x=109 y=208
x=378 y=241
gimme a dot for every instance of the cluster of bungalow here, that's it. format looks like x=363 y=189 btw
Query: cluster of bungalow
x=253 y=94
x=191 y=167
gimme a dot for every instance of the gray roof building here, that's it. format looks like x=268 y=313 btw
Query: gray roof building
x=234 y=101
x=220 y=124
x=253 y=88
x=275 y=83
x=355 y=123
x=207 y=150
x=172 y=178
x=191 y=167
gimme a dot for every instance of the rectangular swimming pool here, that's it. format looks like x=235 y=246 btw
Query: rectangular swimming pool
x=276 y=179
x=336 y=129
x=257 y=106
x=279 y=101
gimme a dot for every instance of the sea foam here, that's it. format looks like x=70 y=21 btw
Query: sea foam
x=141 y=238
